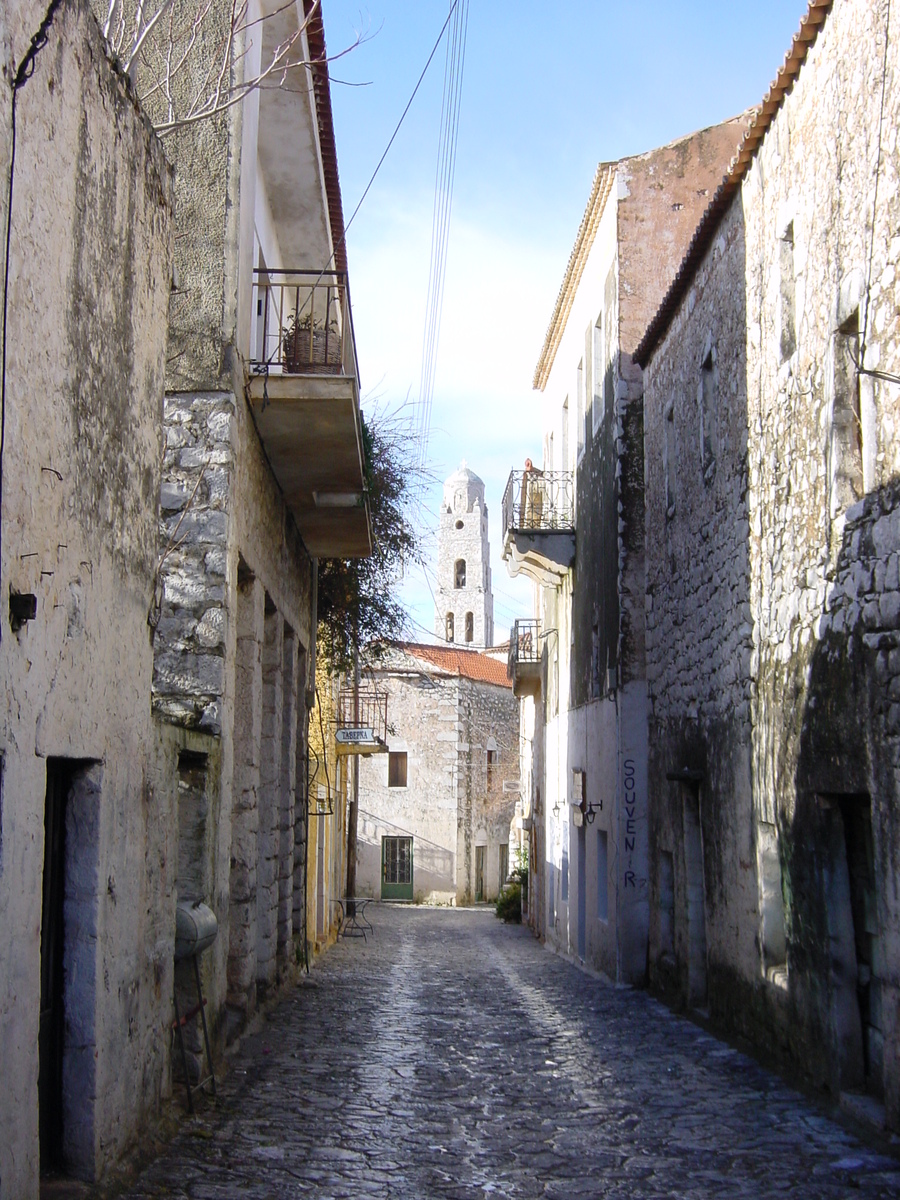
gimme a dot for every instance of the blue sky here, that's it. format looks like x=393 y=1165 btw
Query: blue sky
x=549 y=91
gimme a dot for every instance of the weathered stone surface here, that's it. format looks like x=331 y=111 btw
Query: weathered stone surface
x=791 y=506
x=89 y=284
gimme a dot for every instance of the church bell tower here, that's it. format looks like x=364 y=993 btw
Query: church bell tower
x=465 y=607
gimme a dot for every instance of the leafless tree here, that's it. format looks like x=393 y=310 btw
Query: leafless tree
x=191 y=59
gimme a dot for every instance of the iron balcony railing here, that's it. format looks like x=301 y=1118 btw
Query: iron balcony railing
x=539 y=501
x=302 y=324
x=362 y=712
x=524 y=645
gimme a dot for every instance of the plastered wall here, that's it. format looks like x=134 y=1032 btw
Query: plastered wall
x=90 y=276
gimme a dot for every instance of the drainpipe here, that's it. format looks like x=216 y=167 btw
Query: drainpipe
x=353 y=811
x=310 y=699
x=313 y=627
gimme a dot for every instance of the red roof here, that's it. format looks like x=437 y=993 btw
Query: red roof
x=470 y=664
x=315 y=36
x=772 y=101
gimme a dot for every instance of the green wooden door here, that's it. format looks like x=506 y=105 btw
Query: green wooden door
x=397 y=868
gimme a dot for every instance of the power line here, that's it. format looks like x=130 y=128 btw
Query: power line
x=443 y=198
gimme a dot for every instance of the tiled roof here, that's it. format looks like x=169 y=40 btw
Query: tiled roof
x=315 y=36
x=794 y=59
x=470 y=664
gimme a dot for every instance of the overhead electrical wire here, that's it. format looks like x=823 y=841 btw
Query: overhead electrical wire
x=342 y=239
x=454 y=68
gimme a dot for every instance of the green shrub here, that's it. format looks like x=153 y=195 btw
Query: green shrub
x=509 y=903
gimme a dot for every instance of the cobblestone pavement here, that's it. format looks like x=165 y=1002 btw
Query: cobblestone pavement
x=452 y=1056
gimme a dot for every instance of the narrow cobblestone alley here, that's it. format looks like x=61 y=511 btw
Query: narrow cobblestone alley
x=452 y=1056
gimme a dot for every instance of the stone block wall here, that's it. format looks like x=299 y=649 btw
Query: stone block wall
x=445 y=724
x=772 y=610
x=488 y=717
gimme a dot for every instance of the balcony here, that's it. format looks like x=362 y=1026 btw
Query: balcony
x=524 y=665
x=539 y=525
x=361 y=722
x=304 y=393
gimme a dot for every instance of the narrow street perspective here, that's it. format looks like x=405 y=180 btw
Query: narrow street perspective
x=449 y=1055
x=449 y=737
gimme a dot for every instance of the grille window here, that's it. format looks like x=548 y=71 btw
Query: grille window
x=397 y=860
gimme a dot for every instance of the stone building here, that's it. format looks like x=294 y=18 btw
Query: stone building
x=179 y=448
x=576 y=528
x=262 y=474
x=464 y=604
x=86 y=920
x=771 y=412
x=434 y=817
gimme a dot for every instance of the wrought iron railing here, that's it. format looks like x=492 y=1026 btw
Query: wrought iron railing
x=363 y=709
x=524 y=645
x=302 y=324
x=539 y=501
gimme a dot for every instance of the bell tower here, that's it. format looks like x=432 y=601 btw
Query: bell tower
x=465 y=607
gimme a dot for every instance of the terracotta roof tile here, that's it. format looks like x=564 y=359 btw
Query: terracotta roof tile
x=470 y=664
x=812 y=21
x=315 y=36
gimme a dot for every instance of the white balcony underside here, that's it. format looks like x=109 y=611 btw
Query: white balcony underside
x=543 y=556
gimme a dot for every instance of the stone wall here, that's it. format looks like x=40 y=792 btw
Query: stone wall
x=699 y=630
x=772 y=660
x=90 y=277
x=451 y=804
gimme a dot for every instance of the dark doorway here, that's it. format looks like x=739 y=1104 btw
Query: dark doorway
x=853 y=928
x=696 y=897
x=582 y=887
x=51 y=1045
x=479 y=872
x=67 y=1049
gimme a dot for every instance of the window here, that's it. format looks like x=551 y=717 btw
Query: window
x=470 y=627
x=669 y=460
x=397 y=768
x=578 y=790
x=449 y=627
x=579 y=413
x=786 y=298
x=709 y=383
x=564 y=886
x=599 y=356
x=666 y=904
x=459 y=573
x=564 y=463
x=460 y=525
x=846 y=423
x=772 y=939
x=492 y=758
x=602 y=875
x=191 y=880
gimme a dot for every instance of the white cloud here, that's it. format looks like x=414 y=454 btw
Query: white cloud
x=498 y=297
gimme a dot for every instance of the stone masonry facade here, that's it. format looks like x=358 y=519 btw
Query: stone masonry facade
x=458 y=736
x=773 y=597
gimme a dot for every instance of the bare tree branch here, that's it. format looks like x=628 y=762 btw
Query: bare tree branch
x=187 y=71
